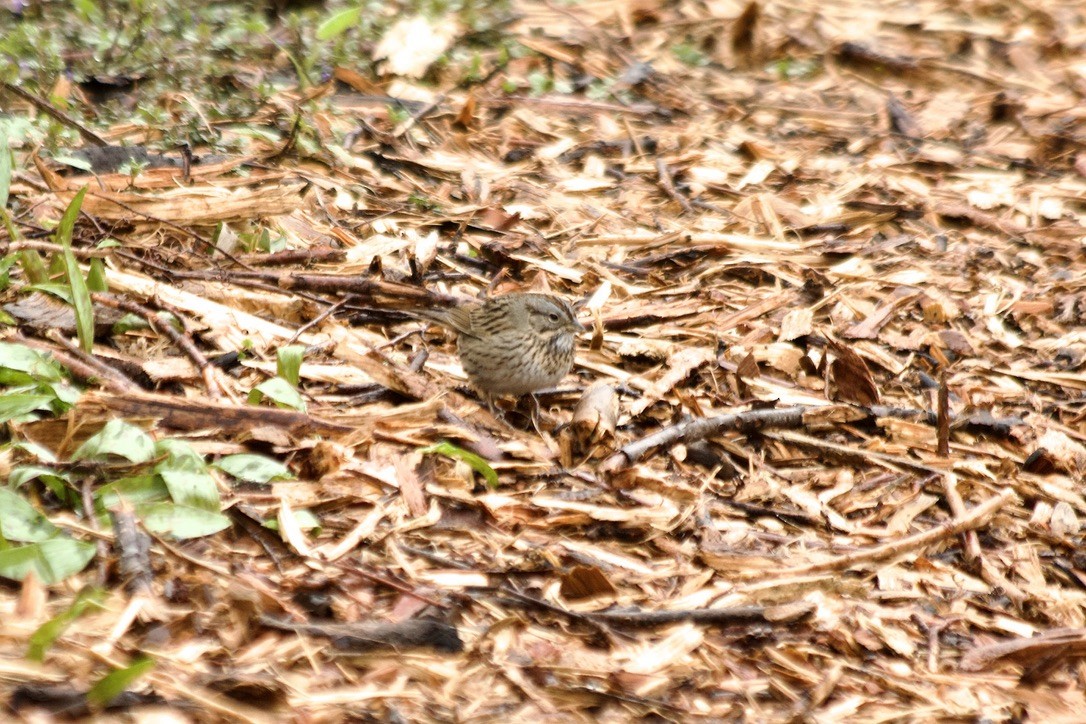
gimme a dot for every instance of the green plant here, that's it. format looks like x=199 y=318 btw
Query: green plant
x=473 y=461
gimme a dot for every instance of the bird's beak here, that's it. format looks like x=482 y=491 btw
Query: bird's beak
x=580 y=327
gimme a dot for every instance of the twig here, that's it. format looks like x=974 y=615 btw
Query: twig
x=970 y=543
x=416 y=116
x=166 y=222
x=971 y=550
x=887 y=460
x=718 y=616
x=943 y=417
x=516 y=597
x=207 y=370
x=440 y=560
x=324 y=283
x=214 y=568
x=332 y=309
x=668 y=184
x=358 y=637
x=575 y=106
x=696 y=430
x=99 y=541
x=786 y=614
x=403 y=588
x=894 y=549
x=200 y=414
x=82 y=365
x=46 y=247
x=217 y=275
x=701 y=204
x=422 y=113
x=49 y=109
x=292 y=140
x=784 y=417
x=249 y=519
x=325 y=254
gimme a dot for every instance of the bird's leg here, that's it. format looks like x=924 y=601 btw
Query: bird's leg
x=535 y=414
x=496 y=411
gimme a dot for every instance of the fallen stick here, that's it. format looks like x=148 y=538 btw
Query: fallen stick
x=696 y=430
x=781 y=418
x=974 y=518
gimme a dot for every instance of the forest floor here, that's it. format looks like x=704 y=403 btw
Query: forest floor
x=821 y=454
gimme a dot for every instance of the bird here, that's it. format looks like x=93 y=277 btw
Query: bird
x=512 y=344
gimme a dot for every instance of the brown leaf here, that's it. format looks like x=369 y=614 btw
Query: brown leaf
x=596 y=415
x=1027 y=651
x=466 y=115
x=497 y=219
x=585 y=582
x=851 y=378
x=410 y=485
x=743 y=33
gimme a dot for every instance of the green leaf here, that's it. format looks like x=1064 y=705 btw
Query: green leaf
x=689 y=54
x=20 y=521
x=192 y=488
x=5 y=170
x=289 y=363
x=181 y=521
x=66 y=395
x=339 y=23
x=179 y=455
x=33 y=266
x=304 y=517
x=81 y=301
x=278 y=391
x=60 y=291
x=14 y=406
x=137 y=489
x=116 y=682
x=38 y=452
x=270 y=245
x=32 y=263
x=117 y=437
x=52 y=560
x=35 y=364
x=129 y=322
x=7 y=262
x=56 y=268
x=57 y=482
x=476 y=463
x=51 y=630
x=88 y=10
x=20 y=476
x=539 y=83
x=254 y=468
x=75 y=162
x=96 y=276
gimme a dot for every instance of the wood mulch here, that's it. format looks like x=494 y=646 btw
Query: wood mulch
x=821 y=455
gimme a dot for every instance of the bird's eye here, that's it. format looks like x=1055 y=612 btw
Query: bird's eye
x=553 y=316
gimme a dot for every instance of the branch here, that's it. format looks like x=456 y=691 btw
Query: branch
x=49 y=109
x=697 y=430
x=975 y=518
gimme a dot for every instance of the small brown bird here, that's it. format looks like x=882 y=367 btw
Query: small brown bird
x=513 y=344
